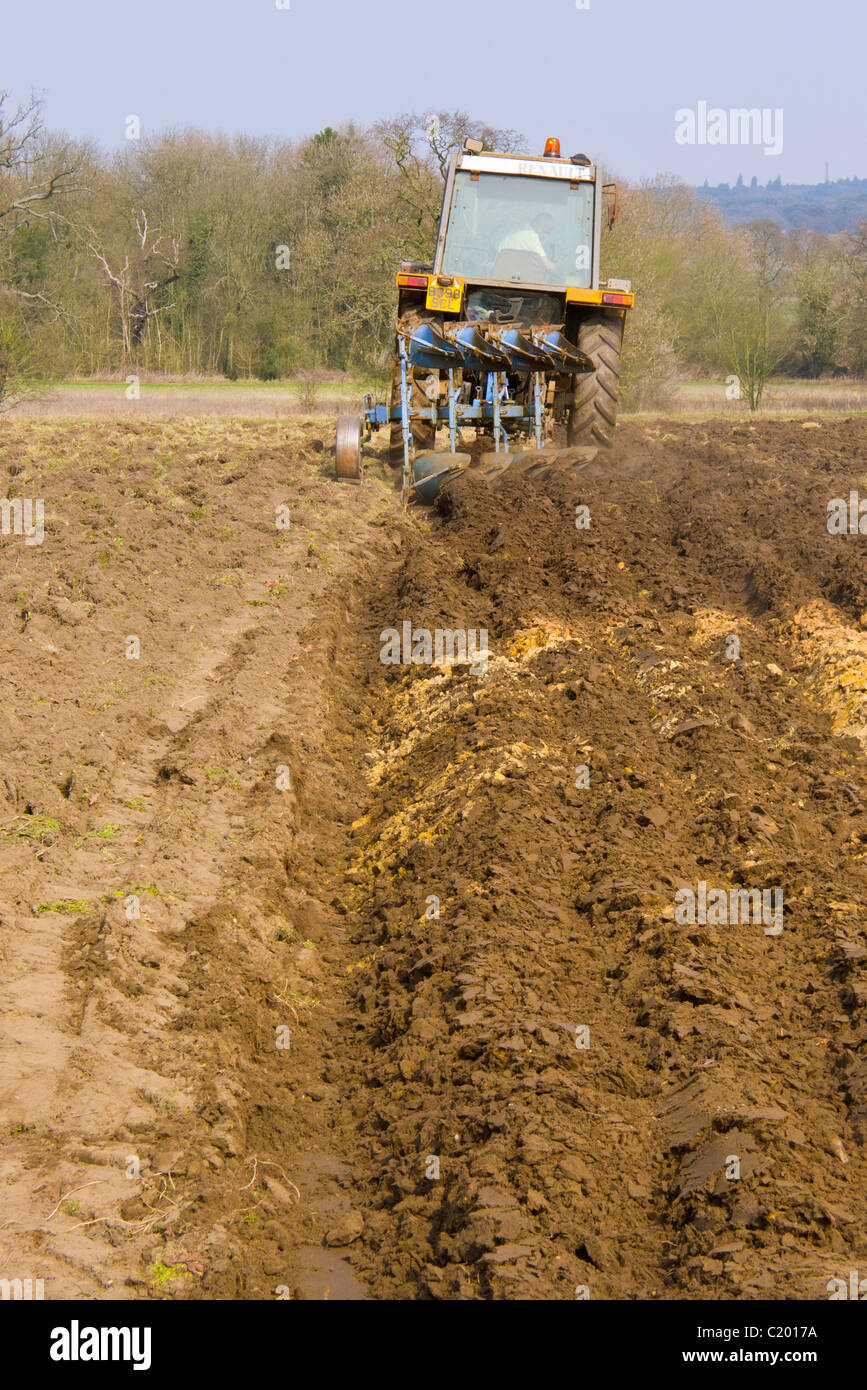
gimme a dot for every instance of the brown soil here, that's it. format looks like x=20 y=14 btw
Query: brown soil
x=287 y=1076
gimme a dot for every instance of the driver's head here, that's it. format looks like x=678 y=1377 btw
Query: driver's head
x=543 y=224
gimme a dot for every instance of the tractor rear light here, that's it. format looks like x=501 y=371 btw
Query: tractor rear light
x=552 y=147
x=413 y=282
x=616 y=299
x=625 y=285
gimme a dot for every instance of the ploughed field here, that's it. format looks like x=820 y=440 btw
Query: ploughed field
x=536 y=975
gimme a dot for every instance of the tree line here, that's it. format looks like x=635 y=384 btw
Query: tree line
x=201 y=254
x=825 y=207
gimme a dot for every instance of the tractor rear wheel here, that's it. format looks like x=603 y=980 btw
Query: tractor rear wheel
x=594 y=394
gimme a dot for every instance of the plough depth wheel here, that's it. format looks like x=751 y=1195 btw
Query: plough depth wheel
x=347 y=448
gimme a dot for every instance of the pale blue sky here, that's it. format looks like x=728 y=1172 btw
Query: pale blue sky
x=607 y=79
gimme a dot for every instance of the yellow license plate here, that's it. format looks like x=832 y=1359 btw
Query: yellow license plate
x=444 y=297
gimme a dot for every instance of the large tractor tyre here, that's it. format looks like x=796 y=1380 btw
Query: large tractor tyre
x=594 y=394
x=423 y=433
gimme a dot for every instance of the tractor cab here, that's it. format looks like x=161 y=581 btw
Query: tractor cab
x=509 y=221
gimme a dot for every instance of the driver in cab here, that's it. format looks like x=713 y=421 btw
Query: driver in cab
x=530 y=239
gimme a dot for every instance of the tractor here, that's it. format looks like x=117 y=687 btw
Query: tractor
x=508 y=331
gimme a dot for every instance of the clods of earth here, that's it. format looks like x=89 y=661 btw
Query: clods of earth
x=326 y=977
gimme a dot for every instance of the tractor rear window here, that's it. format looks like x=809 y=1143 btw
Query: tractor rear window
x=513 y=228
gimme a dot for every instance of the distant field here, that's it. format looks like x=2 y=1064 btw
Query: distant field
x=176 y=399
x=308 y=399
x=784 y=396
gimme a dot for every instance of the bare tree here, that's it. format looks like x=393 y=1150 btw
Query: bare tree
x=421 y=146
x=766 y=245
x=27 y=180
x=32 y=180
x=757 y=346
x=139 y=282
